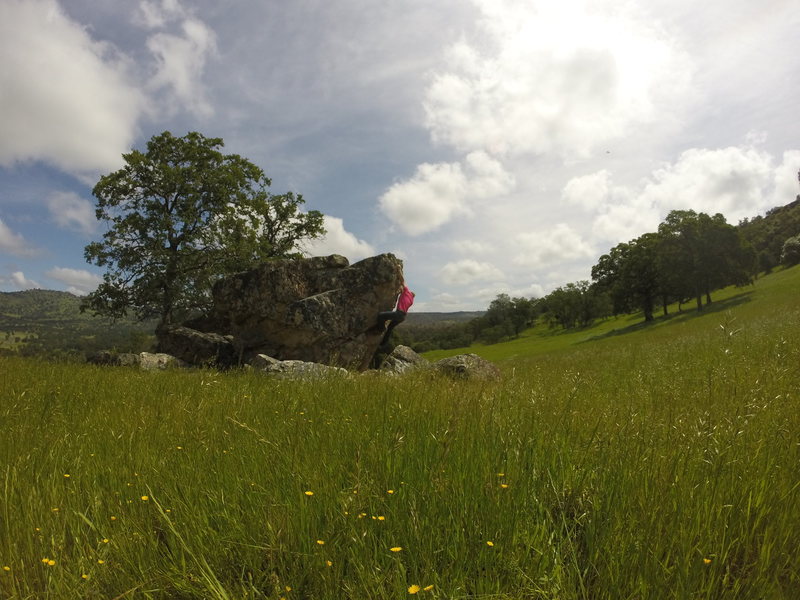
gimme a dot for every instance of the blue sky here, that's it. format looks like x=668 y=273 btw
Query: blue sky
x=494 y=145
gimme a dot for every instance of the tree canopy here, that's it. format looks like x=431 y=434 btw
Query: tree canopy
x=180 y=216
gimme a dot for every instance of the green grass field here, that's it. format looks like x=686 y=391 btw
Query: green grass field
x=618 y=462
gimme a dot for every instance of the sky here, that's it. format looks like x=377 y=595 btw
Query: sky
x=495 y=146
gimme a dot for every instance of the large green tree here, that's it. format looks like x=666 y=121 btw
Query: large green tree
x=180 y=216
x=630 y=274
x=705 y=252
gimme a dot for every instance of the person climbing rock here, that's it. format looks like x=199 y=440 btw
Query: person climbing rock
x=404 y=301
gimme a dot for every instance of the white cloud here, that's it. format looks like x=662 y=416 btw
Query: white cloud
x=473 y=247
x=181 y=61
x=468 y=271
x=558 y=77
x=590 y=192
x=23 y=283
x=559 y=244
x=153 y=14
x=79 y=281
x=439 y=192
x=66 y=98
x=337 y=240
x=14 y=243
x=737 y=182
x=72 y=212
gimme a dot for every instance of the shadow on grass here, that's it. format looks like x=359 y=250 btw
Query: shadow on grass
x=682 y=316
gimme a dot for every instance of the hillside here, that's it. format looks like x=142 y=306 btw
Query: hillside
x=424 y=319
x=775 y=292
x=768 y=233
x=49 y=322
x=624 y=460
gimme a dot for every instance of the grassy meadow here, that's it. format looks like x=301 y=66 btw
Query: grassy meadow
x=618 y=462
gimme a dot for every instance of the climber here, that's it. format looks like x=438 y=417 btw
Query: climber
x=398 y=315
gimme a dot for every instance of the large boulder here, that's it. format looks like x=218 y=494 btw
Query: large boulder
x=319 y=310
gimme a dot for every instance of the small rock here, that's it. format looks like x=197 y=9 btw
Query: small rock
x=403 y=359
x=159 y=361
x=294 y=369
x=468 y=366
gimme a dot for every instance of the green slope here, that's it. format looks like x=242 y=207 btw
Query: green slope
x=48 y=322
x=772 y=294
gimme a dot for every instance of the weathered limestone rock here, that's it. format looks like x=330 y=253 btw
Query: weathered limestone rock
x=108 y=358
x=294 y=369
x=319 y=310
x=402 y=360
x=197 y=347
x=159 y=361
x=468 y=366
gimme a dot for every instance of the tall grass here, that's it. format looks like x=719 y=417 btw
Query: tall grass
x=661 y=464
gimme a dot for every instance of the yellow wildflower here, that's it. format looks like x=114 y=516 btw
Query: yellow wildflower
x=490 y=543
x=427 y=588
x=100 y=561
x=321 y=542
x=66 y=475
x=288 y=588
x=6 y=568
x=390 y=491
x=381 y=518
x=105 y=540
x=396 y=548
x=113 y=518
x=504 y=485
x=308 y=493
x=145 y=498
x=707 y=561
x=84 y=576
x=414 y=589
x=329 y=563
x=51 y=562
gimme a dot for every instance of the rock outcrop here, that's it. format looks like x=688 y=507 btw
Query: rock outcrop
x=318 y=310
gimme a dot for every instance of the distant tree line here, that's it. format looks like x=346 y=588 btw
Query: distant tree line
x=685 y=260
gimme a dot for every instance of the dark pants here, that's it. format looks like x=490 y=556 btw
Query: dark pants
x=395 y=317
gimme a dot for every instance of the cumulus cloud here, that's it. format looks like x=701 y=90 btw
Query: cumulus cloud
x=79 y=281
x=559 y=244
x=153 y=14
x=437 y=193
x=736 y=182
x=72 y=212
x=590 y=192
x=473 y=247
x=181 y=61
x=67 y=99
x=338 y=240
x=558 y=77
x=23 y=283
x=467 y=271
x=14 y=243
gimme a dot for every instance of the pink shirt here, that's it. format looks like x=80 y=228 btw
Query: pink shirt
x=405 y=300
